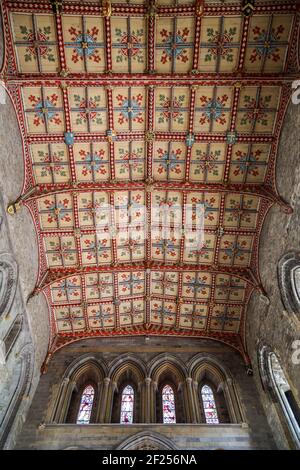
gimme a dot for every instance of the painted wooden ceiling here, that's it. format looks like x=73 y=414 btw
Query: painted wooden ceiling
x=127 y=108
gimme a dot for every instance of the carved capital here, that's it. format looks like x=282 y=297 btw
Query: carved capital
x=106 y=381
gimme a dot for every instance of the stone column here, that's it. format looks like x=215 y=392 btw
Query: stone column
x=148 y=401
x=100 y=388
x=65 y=394
x=198 y=413
x=182 y=394
x=153 y=389
x=190 y=401
x=233 y=406
x=107 y=400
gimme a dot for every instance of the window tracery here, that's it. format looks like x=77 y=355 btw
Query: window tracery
x=209 y=405
x=289 y=281
x=168 y=405
x=86 y=405
x=127 y=405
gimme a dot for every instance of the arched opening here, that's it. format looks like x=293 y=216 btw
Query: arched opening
x=86 y=405
x=295 y=277
x=209 y=405
x=168 y=405
x=127 y=405
x=213 y=404
x=8 y=282
x=79 y=395
x=289 y=281
x=147 y=441
x=285 y=396
x=77 y=401
x=216 y=400
x=169 y=394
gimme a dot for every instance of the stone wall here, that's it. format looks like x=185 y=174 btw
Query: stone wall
x=18 y=240
x=36 y=436
x=111 y=436
x=267 y=320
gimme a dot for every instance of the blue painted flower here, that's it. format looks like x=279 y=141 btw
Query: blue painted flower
x=59 y=210
x=45 y=110
x=169 y=160
x=213 y=110
x=235 y=250
x=166 y=245
x=85 y=45
x=163 y=311
x=196 y=284
x=92 y=162
x=175 y=46
x=130 y=109
x=267 y=45
x=248 y=162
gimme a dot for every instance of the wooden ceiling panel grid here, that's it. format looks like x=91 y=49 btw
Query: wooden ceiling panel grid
x=127 y=109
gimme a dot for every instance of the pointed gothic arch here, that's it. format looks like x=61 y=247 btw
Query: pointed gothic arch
x=8 y=282
x=77 y=377
x=21 y=387
x=167 y=370
x=207 y=370
x=289 y=281
x=147 y=441
x=126 y=372
x=276 y=384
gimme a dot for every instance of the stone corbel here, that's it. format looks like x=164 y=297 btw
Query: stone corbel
x=14 y=207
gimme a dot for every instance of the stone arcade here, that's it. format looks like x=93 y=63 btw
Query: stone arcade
x=149 y=225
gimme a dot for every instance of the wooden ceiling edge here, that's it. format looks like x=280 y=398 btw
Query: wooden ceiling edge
x=116 y=78
x=260 y=190
x=231 y=340
x=108 y=9
x=51 y=276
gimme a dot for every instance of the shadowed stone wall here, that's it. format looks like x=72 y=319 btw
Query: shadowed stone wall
x=105 y=350
x=20 y=370
x=267 y=320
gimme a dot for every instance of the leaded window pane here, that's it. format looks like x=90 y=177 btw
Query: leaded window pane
x=127 y=404
x=209 y=405
x=86 y=405
x=168 y=404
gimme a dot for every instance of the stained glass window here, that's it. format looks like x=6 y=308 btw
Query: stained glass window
x=209 y=405
x=127 y=405
x=86 y=405
x=168 y=405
